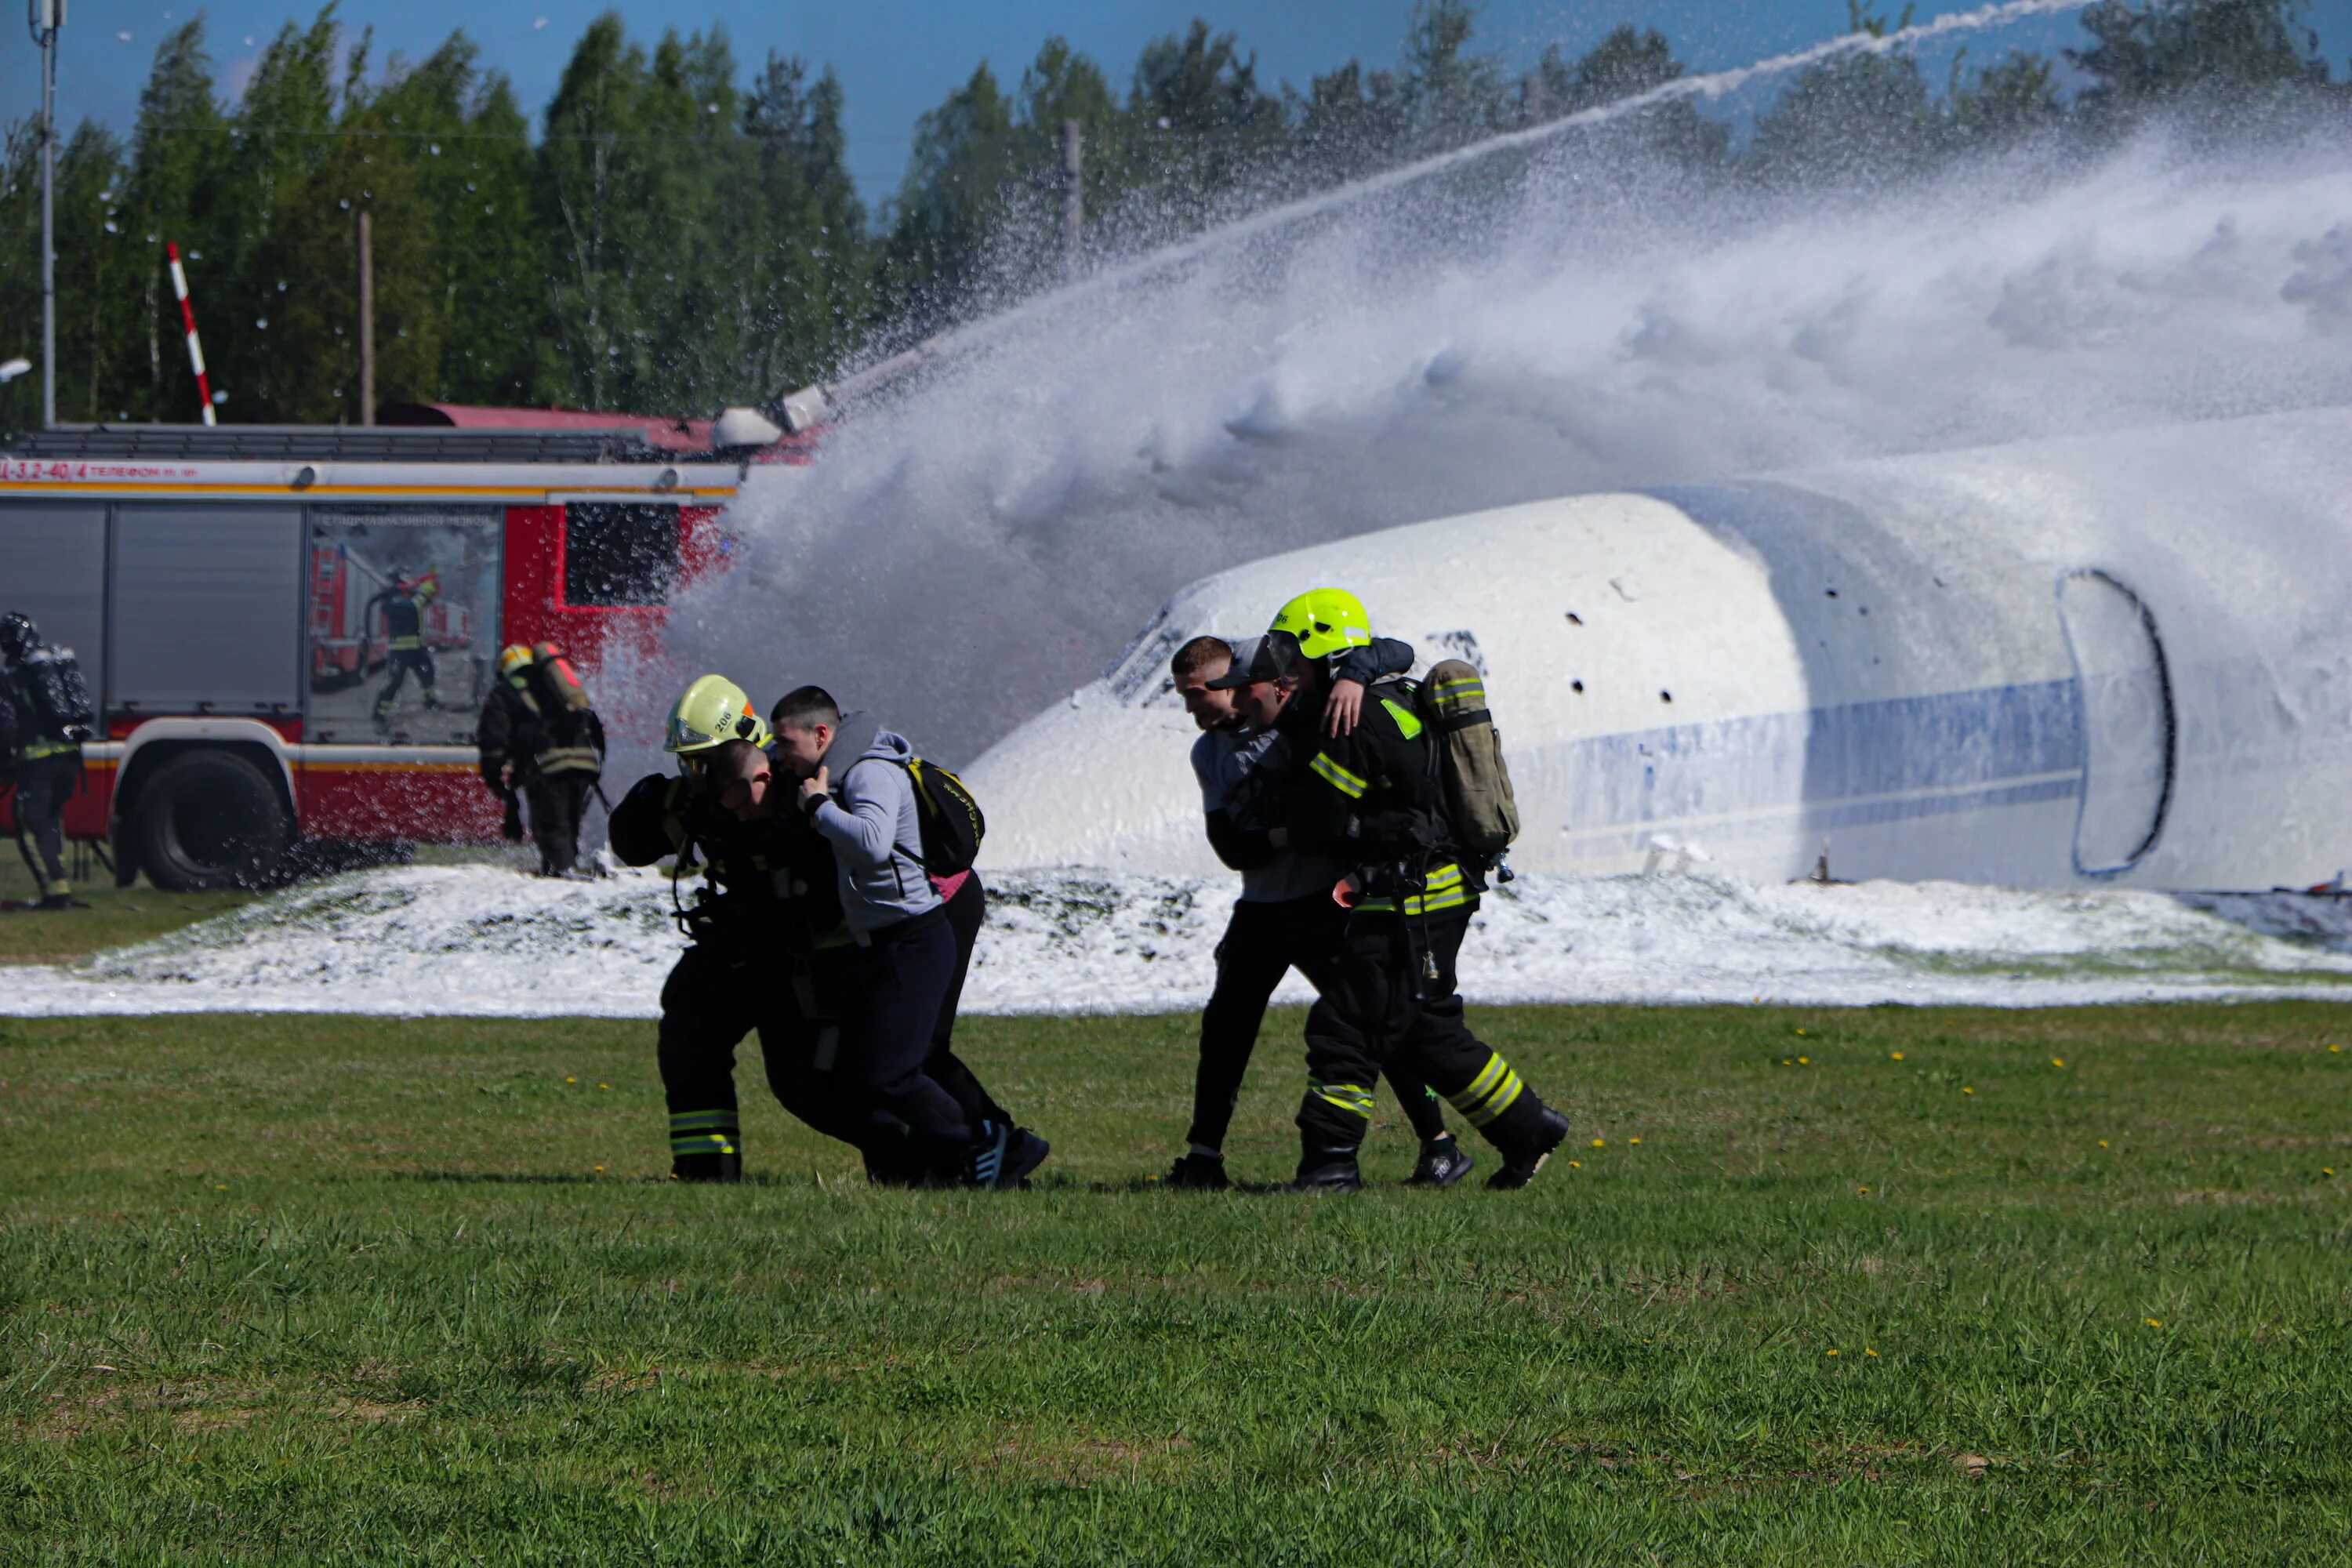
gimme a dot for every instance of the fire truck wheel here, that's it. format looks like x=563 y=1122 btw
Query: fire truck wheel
x=209 y=819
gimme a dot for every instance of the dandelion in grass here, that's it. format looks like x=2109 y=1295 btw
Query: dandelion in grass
x=1804 y=1062
x=1862 y=1189
x=1601 y=1142
x=1965 y=1089
x=1868 y=1352
x=1572 y=1165
x=1896 y=1056
x=2057 y=1061
x=2102 y=1142
x=603 y=1086
x=600 y=1169
x=1636 y=1142
x=2326 y=1170
x=2155 y=1323
x=1832 y=1352
x=572 y=1080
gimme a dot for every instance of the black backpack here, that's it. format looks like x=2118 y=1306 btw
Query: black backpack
x=951 y=818
x=57 y=692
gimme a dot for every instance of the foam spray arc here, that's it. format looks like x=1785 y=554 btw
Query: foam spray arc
x=983 y=541
x=813 y=404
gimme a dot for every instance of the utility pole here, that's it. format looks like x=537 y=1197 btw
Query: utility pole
x=47 y=16
x=367 y=318
x=1074 y=198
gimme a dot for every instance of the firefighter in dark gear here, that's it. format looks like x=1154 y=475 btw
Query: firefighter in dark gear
x=1372 y=800
x=404 y=633
x=767 y=946
x=541 y=746
x=43 y=726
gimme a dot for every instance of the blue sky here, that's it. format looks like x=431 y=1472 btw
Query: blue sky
x=899 y=58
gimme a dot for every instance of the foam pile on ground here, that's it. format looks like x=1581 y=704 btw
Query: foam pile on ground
x=477 y=941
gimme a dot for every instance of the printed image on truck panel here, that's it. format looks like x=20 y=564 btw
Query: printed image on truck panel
x=403 y=614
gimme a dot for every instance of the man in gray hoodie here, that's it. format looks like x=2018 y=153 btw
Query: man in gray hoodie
x=856 y=791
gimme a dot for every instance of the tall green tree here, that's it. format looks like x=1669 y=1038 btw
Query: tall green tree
x=1859 y=119
x=178 y=150
x=1626 y=64
x=2235 y=55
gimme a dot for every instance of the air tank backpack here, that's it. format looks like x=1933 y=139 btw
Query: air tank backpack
x=559 y=683
x=951 y=818
x=57 y=693
x=1467 y=758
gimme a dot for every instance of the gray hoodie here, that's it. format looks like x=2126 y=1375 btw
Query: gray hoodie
x=872 y=824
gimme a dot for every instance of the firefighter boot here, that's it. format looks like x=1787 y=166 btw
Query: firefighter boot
x=1528 y=1153
x=1442 y=1163
x=726 y=1167
x=1329 y=1170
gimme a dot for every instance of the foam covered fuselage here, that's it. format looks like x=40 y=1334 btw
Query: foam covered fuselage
x=2119 y=658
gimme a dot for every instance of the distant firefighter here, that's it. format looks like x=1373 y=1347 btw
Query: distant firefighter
x=45 y=715
x=403 y=633
x=542 y=745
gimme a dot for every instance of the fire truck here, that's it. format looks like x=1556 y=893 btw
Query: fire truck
x=232 y=593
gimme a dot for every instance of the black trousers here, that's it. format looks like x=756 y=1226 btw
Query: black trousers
x=557 y=802
x=714 y=998
x=44 y=785
x=396 y=671
x=894 y=988
x=1262 y=942
x=1381 y=1011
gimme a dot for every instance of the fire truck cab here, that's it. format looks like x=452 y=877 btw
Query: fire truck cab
x=290 y=632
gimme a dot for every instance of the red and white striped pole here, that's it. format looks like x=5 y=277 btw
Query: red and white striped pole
x=188 y=320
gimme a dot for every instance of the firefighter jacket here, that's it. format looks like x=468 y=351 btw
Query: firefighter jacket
x=404 y=622
x=536 y=739
x=770 y=885
x=26 y=732
x=1370 y=800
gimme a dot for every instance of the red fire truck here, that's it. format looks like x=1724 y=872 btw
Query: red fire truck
x=231 y=594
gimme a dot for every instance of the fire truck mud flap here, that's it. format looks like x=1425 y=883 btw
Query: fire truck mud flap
x=210 y=820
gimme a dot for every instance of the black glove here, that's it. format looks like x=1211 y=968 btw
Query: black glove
x=513 y=826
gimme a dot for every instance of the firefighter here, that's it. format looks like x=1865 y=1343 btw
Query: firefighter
x=767 y=940
x=404 y=631
x=540 y=741
x=1371 y=801
x=47 y=719
x=1284 y=918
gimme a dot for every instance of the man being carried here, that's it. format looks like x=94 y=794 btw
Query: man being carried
x=46 y=717
x=1286 y=918
x=1372 y=801
x=898 y=974
x=539 y=737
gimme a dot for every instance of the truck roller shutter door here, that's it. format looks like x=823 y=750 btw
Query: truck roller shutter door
x=207 y=608
x=53 y=567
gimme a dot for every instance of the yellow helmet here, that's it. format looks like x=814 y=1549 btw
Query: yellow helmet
x=711 y=712
x=513 y=659
x=1324 y=621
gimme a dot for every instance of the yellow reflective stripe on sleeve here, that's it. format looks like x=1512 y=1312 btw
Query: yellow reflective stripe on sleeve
x=1407 y=721
x=38 y=749
x=1337 y=777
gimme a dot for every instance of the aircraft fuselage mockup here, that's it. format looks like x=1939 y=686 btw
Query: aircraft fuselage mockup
x=2115 y=659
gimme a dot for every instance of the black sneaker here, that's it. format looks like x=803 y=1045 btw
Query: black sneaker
x=1199 y=1174
x=706 y=1168
x=1442 y=1163
x=1024 y=1152
x=1332 y=1173
x=60 y=901
x=1521 y=1168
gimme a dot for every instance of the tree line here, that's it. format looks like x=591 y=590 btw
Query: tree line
x=675 y=233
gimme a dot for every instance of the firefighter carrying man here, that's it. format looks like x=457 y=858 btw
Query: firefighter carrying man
x=769 y=953
x=542 y=745
x=1414 y=802
x=404 y=633
x=45 y=716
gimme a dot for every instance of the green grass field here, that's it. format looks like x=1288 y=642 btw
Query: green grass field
x=115 y=917
x=1875 y=1287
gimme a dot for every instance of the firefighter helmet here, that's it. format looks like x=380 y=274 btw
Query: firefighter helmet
x=711 y=712
x=1324 y=621
x=513 y=661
